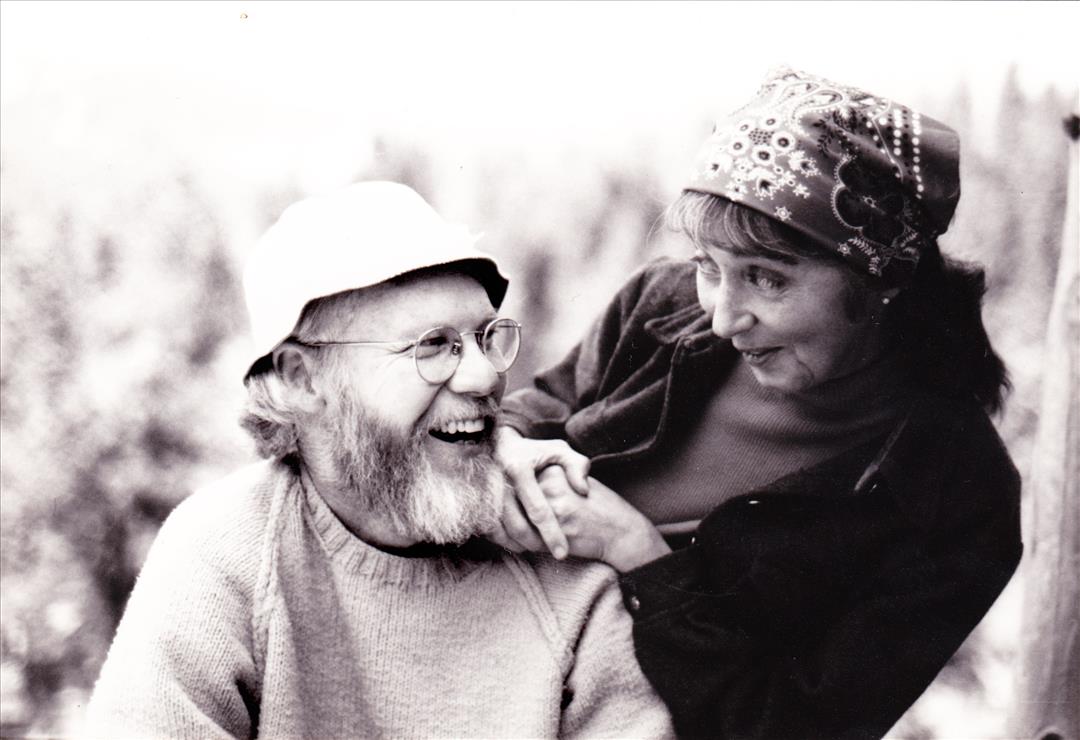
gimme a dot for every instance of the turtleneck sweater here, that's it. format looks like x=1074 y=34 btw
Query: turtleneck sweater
x=748 y=436
x=258 y=613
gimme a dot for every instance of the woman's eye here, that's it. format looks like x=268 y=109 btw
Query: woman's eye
x=765 y=279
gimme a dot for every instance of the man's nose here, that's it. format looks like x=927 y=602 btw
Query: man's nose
x=475 y=375
x=730 y=315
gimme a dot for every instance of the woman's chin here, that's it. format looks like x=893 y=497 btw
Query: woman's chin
x=782 y=380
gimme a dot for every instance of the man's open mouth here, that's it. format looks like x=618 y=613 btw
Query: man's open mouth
x=464 y=431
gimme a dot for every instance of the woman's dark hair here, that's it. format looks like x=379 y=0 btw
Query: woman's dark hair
x=935 y=322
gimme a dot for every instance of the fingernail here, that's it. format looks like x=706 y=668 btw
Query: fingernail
x=559 y=553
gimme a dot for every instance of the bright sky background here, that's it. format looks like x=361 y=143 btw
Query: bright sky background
x=255 y=93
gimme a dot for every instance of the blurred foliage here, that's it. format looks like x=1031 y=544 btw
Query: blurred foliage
x=123 y=346
x=111 y=405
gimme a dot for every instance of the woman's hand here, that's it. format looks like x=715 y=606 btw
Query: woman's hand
x=602 y=525
x=528 y=521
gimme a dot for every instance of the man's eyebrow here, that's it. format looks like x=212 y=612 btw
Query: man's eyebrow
x=486 y=320
x=417 y=331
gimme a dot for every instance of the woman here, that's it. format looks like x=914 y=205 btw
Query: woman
x=813 y=507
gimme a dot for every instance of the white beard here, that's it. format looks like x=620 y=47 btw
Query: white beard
x=396 y=479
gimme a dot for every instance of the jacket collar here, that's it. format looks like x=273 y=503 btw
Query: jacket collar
x=912 y=463
x=689 y=321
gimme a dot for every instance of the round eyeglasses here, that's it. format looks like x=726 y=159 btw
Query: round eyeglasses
x=437 y=352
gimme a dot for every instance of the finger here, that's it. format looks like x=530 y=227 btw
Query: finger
x=573 y=462
x=516 y=453
x=499 y=536
x=513 y=530
x=538 y=511
x=578 y=477
x=516 y=527
x=595 y=485
x=556 y=488
x=552 y=479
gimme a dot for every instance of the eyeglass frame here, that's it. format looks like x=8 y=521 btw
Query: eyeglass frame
x=414 y=343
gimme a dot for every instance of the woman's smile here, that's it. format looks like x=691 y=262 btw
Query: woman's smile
x=759 y=357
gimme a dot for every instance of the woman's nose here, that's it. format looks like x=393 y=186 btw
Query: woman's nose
x=730 y=315
x=475 y=375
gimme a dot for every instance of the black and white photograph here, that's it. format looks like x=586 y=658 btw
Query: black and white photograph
x=461 y=369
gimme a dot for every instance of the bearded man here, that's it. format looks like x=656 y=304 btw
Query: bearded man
x=338 y=589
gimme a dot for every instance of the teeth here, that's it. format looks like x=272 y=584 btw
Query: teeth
x=467 y=426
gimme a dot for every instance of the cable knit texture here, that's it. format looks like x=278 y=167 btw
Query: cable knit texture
x=258 y=614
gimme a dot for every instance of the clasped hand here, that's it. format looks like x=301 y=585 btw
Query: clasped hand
x=553 y=505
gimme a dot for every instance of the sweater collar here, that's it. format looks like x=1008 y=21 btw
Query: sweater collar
x=910 y=463
x=901 y=463
x=875 y=388
x=907 y=467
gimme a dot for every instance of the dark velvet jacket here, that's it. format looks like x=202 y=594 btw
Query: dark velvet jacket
x=821 y=605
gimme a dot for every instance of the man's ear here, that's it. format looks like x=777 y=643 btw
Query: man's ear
x=293 y=365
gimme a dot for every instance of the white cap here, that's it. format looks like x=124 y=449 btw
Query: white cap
x=351 y=238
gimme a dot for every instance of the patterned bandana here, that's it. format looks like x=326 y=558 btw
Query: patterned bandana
x=861 y=175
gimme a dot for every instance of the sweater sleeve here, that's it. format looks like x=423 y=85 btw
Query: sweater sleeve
x=750 y=634
x=181 y=662
x=606 y=694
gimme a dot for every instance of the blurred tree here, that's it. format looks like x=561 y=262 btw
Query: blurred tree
x=113 y=327
x=1049 y=701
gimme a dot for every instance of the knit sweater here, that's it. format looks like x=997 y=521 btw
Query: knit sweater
x=258 y=614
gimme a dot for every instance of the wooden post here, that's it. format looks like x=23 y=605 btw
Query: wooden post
x=1049 y=680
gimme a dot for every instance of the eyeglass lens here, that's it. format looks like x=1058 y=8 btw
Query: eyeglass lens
x=438 y=351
